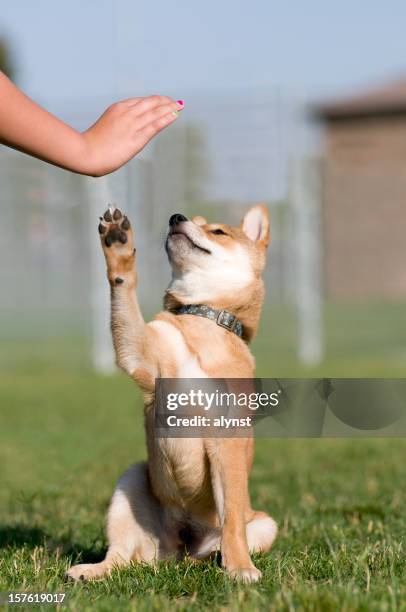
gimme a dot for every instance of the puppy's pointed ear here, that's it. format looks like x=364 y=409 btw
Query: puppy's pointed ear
x=255 y=224
x=199 y=220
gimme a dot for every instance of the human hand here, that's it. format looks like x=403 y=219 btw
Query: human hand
x=123 y=130
x=120 y=133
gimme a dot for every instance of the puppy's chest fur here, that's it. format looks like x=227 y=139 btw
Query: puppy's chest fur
x=190 y=347
x=195 y=347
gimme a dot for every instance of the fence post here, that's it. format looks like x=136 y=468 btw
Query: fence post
x=305 y=201
x=102 y=353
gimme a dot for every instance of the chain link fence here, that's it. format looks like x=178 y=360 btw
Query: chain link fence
x=220 y=158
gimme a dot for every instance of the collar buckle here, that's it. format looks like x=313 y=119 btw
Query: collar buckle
x=227 y=320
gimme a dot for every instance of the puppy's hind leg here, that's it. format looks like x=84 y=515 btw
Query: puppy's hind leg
x=261 y=532
x=134 y=527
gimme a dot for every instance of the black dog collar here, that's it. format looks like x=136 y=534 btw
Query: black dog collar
x=221 y=317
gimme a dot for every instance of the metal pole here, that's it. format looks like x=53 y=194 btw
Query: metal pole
x=305 y=197
x=102 y=346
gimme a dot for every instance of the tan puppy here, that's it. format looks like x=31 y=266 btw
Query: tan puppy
x=192 y=494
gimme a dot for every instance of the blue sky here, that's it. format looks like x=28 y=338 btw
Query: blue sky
x=77 y=50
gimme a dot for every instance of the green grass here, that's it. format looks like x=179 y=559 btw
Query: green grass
x=66 y=434
x=362 y=339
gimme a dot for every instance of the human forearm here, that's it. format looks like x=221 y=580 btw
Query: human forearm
x=29 y=128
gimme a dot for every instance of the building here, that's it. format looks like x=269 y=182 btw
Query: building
x=364 y=194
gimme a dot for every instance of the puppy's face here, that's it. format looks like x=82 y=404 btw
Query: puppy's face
x=211 y=259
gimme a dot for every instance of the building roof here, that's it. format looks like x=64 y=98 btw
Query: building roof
x=384 y=100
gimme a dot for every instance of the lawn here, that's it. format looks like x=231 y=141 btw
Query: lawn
x=66 y=435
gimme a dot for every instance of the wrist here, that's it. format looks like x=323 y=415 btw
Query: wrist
x=86 y=160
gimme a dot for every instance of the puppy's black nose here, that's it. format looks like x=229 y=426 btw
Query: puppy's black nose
x=177 y=218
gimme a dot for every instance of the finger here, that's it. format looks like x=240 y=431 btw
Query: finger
x=149 y=103
x=156 y=113
x=150 y=130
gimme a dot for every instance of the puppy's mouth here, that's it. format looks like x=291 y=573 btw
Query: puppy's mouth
x=177 y=234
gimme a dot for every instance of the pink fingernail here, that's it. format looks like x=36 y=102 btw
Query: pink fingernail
x=181 y=103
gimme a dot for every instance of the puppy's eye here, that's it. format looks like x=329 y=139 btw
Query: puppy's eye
x=218 y=232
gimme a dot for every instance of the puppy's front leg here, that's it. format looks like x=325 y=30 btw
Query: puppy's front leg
x=130 y=333
x=229 y=461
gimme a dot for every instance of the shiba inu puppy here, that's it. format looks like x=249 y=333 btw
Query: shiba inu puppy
x=191 y=496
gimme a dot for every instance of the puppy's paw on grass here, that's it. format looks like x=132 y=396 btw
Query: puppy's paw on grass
x=87 y=571
x=246 y=574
